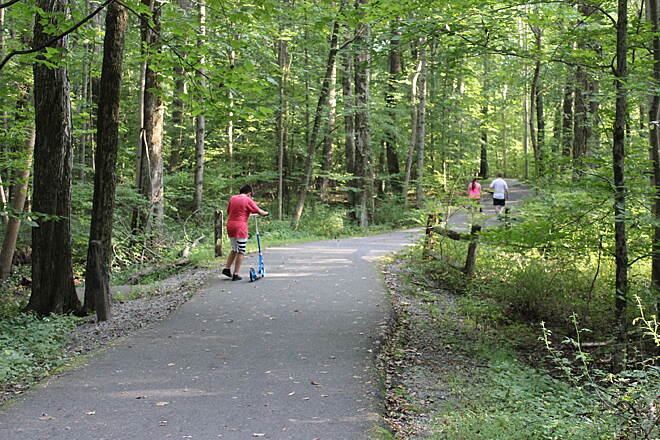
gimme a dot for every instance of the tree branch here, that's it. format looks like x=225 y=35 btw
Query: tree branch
x=13 y=53
x=9 y=3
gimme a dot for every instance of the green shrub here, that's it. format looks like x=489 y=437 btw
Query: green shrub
x=509 y=401
x=32 y=347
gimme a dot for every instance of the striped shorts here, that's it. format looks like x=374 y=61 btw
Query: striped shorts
x=238 y=245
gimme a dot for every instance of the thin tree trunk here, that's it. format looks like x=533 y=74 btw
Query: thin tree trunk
x=421 y=124
x=618 y=159
x=311 y=145
x=330 y=128
x=52 y=270
x=390 y=98
x=151 y=173
x=107 y=141
x=483 y=156
x=413 y=130
x=282 y=131
x=364 y=159
x=654 y=148
x=536 y=110
x=349 y=123
x=200 y=120
x=82 y=108
x=580 y=129
x=178 y=120
x=17 y=205
x=567 y=121
x=230 y=123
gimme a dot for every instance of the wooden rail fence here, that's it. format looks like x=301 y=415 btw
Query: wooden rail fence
x=472 y=237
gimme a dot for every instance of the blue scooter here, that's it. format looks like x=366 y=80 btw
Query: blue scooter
x=261 y=270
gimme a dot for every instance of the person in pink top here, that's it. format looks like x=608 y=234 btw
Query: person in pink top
x=239 y=209
x=474 y=190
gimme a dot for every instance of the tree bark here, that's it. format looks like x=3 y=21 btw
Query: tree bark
x=151 y=164
x=586 y=104
x=17 y=205
x=537 y=123
x=364 y=159
x=107 y=141
x=178 y=107
x=349 y=124
x=567 y=121
x=200 y=120
x=654 y=148
x=330 y=128
x=311 y=144
x=52 y=271
x=421 y=124
x=483 y=156
x=393 y=79
x=282 y=111
x=414 y=93
x=618 y=159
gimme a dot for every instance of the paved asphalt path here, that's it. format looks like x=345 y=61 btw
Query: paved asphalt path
x=288 y=357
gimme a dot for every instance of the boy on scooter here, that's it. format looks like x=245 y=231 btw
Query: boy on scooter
x=239 y=209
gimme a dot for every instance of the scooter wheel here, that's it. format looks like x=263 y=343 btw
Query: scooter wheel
x=253 y=274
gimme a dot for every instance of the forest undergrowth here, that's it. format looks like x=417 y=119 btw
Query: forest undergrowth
x=517 y=352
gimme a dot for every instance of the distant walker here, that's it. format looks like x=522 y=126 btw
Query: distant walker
x=500 y=193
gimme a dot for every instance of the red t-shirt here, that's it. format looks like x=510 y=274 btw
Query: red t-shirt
x=239 y=209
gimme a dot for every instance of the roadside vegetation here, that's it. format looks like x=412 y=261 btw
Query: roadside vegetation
x=526 y=347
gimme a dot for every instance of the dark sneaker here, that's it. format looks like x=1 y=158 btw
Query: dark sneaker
x=226 y=272
x=236 y=278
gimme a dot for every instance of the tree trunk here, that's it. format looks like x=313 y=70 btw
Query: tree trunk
x=391 y=101
x=230 y=123
x=586 y=105
x=349 y=124
x=17 y=205
x=52 y=271
x=618 y=159
x=311 y=145
x=567 y=121
x=364 y=159
x=151 y=167
x=330 y=128
x=200 y=120
x=97 y=280
x=414 y=92
x=178 y=120
x=537 y=130
x=483 y=156
x=282 y=130
x=421 y=124
x=654 y=145
x=107 y=141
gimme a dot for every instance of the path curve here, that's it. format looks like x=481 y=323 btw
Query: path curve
x=288 y=357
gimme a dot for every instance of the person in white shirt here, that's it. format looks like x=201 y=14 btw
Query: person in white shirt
x=500 y=193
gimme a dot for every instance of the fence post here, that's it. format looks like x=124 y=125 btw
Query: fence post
x=431 y=221
x=471 y=260
x=218 y=221
x=98 y=282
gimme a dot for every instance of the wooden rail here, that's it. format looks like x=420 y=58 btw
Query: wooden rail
x=217 y=231
x=472 y=237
